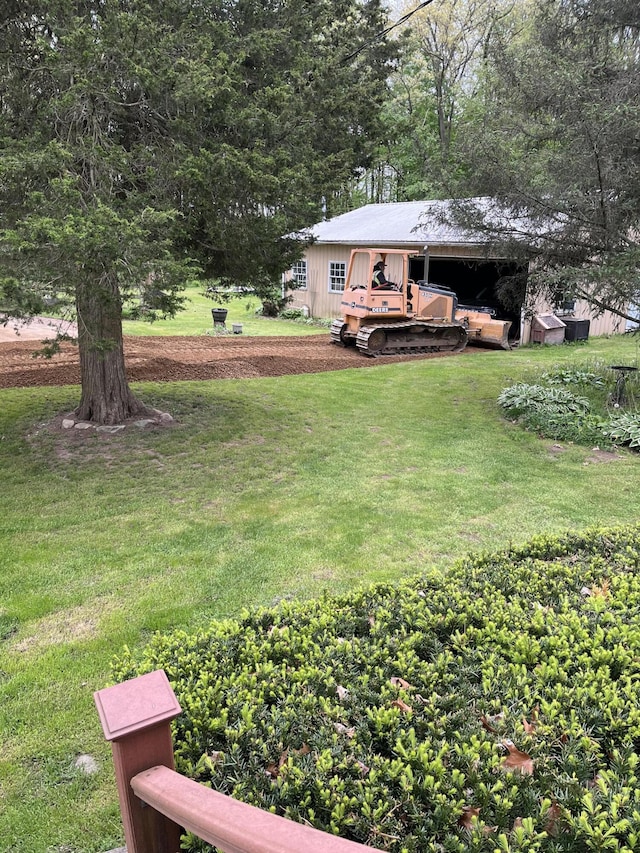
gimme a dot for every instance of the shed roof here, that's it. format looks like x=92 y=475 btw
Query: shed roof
x=407 y=222
x=548 y=321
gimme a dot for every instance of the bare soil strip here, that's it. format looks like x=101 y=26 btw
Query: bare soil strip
x=167 y=359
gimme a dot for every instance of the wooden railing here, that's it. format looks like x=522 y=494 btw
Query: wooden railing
x=157 y=803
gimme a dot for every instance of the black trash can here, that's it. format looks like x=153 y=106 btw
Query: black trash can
x=576 y=330
x=219 y=316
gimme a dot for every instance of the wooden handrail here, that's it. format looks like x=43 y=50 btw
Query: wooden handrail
x=232 y=826
x=155 y=801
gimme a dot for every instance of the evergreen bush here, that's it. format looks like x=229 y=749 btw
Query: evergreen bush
x=496 y=708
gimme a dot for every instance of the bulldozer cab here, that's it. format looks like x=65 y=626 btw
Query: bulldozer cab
x=361 y=299
x=363 y=261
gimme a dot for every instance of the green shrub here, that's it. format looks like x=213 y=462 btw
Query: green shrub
x=596 y=375
x=557 y=413
x=523 y=398
x=298 y=316
x=496 y=708
x=624 y=429
x=578 y=427
x=292 y=314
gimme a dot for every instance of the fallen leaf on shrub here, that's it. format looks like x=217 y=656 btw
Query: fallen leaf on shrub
x=343 y=730
x=554 y=816
x=516 y=824
x=342 y=692
x=400 y=682
x=398 y=703
x=420 y=699
x=601 y=591
x=529 y=728
x=585 y=591
x=216 y=757
x=371 y=621
x=468 y=816
x=362 y=767
x=516 y=761
x=273 y=770
x=488 y=723
x=305 y=749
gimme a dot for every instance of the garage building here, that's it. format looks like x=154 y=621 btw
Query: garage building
x=444 y=255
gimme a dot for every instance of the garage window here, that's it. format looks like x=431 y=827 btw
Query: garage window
x=299 y=274
x=337 y=276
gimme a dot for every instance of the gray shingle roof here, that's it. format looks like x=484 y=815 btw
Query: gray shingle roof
x=414 y=222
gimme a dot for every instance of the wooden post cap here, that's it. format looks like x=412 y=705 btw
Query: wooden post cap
x=136 y=705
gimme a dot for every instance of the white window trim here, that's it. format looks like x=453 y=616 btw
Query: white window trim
x=299 y=272
x=333 y=268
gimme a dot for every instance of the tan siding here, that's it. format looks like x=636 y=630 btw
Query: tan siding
x=322 y=304
x=605 y=324
x=317 y=298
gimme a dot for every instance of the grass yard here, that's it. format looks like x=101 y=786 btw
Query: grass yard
x=264 y=489
x=196 y=319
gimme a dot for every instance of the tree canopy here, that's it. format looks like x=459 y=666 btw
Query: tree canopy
x=144 y=143
x=536 y=106
x=553 y=138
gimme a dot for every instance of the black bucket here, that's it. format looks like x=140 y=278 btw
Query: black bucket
x=219 y=316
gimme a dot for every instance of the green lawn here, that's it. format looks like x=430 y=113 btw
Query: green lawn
x=263 y=489
x=196 y=318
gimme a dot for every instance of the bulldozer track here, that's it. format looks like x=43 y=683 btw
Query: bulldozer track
x=411 y=338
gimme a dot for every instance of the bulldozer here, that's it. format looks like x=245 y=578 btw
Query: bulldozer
x=384 y=317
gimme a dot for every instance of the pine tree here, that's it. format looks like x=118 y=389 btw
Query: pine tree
x=554 y=140
x=145 y=143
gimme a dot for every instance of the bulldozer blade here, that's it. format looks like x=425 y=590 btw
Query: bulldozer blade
x=484 y=331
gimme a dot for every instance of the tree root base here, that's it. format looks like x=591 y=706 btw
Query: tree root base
x=143 y=419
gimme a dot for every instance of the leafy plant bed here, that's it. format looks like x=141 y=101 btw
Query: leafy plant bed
x=494 y=709
x=577 y=403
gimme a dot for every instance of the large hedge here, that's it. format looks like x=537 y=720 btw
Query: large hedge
x=494 y=709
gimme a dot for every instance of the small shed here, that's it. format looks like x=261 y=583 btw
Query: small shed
x=547 y=329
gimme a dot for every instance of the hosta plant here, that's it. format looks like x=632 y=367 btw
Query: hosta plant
x=624 y=429
x=521 y=398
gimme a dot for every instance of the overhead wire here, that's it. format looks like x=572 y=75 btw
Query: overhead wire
x=387 y=30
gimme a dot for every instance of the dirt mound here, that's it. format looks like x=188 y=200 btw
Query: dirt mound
x=164 y=359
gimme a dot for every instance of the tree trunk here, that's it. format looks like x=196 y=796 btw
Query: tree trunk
x=106 y=396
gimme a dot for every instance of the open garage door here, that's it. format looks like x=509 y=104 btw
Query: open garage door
x=498 y=285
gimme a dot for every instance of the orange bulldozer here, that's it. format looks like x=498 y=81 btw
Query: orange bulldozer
x=383 y=317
